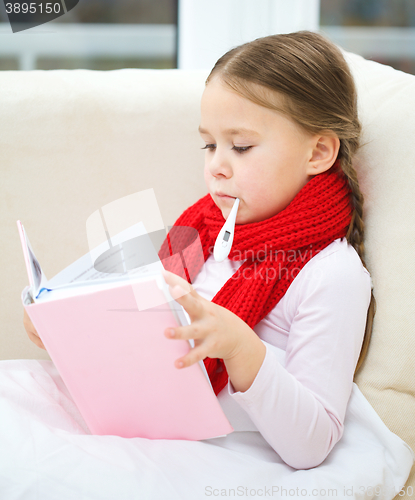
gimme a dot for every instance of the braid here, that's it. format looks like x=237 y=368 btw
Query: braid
x=355 y=237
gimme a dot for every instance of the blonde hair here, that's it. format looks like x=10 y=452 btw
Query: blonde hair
x=315 y=88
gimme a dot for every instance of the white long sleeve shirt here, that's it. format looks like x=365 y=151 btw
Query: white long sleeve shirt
x=298 y=401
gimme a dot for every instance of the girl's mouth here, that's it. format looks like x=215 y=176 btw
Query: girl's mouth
x=224 y=196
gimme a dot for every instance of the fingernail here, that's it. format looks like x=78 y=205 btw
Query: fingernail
x=179 y=364
x=171 y=332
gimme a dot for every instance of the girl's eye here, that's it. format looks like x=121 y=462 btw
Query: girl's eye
x=242 y=149
x=238 y=149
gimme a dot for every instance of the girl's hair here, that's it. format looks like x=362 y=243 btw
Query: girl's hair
x=305 y=76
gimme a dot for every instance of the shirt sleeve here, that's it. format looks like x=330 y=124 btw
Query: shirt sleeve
x=299 y=408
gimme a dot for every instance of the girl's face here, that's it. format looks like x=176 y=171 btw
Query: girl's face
x=252 y=153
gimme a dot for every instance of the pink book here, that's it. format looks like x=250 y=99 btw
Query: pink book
x=106 y=338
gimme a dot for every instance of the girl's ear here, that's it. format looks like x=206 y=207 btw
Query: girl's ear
x=324 y=153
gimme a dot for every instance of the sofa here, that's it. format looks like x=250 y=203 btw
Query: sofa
x=73 y=141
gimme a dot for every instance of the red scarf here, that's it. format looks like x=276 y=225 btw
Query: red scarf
x=275 y=249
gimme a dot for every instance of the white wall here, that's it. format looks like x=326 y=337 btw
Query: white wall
x=208 y=28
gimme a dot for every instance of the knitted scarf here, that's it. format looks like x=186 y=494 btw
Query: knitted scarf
x=275 y=250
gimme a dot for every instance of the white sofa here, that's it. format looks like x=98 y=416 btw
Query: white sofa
x=73 y=141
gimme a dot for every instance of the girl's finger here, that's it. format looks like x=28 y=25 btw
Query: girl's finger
x=193 y=356
x=192 y=302
x=174 y=280
x=183 y=293
x=36 y=340
x=177 y=292
x=188 y=332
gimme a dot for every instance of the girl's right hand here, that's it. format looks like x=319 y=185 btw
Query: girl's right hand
x=31 y=331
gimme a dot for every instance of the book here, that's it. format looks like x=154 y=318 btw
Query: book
x=105 y=334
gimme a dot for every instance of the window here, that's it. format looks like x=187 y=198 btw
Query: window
x=96 y=34
x=381 y=30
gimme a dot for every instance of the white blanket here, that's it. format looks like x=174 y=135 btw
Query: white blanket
x=47 y=453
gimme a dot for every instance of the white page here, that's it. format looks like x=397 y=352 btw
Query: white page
x=37 y=278
x=92 y=286
x=83 y=268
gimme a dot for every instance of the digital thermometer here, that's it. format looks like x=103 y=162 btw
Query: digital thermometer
x=223 y=243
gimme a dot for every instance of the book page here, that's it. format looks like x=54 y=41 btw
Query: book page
x=111 y=259
x=37 y=279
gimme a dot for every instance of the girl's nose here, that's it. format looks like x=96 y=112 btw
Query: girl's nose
x=219 y=166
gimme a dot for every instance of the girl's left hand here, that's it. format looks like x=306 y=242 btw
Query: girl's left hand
x=216 y=331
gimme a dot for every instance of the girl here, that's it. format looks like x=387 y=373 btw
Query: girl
x=283 y=323
x=279 y=119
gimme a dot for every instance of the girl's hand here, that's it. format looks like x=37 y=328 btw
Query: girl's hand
x=217 y=333
x=31 y=331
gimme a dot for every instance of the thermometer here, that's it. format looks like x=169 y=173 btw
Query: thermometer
x=224 y=240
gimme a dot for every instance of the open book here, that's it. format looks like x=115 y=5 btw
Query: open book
x=102 y=321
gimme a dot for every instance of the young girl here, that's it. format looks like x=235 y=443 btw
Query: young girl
x=284 y=321
x=279 y=119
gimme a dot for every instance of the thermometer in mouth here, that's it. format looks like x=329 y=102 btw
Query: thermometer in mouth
x=224 y=240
